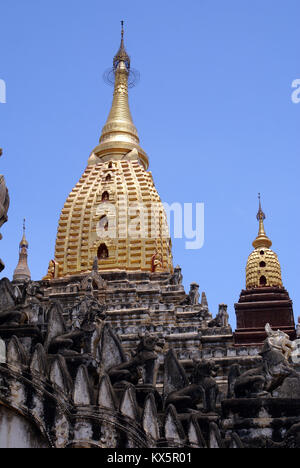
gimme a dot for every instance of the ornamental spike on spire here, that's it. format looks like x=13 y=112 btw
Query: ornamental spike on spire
x=22 y=272
x=260 y=214
x=262 y=239
x=121 y=55
x=119 y=138
x=24 y=242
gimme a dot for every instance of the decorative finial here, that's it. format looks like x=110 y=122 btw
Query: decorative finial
x=121 y=55
x=260 y=215
x=262 y=239
x=119 y=128
x=24 y=242
x=121 y=64
x=122 y=29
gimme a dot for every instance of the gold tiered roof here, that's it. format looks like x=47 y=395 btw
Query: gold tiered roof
x=116 y=175
x=263 y=267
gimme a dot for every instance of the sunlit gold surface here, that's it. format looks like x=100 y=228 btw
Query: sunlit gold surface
x=263 y=262
x=262 y=239
x=120 y=157
x=272 y=271
x=119 y=134
x=77 y=240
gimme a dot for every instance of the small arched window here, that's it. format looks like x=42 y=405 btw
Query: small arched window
x=108 y=178
x=262 y=252
x=263 y=281
x=262 y=264
x=105 y=196
x=102 y=252
x=110 y=165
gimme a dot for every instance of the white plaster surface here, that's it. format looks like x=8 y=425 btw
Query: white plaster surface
x=17 y=432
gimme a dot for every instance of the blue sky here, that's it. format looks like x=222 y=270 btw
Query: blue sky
x=213 y=110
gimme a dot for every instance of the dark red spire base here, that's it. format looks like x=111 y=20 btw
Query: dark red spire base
x=260 y=306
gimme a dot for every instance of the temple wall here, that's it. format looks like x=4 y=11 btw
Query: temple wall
x=17 y=432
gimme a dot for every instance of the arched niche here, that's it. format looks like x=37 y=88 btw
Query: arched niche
x=105 y=196
x=263 y=281
x=102 y=252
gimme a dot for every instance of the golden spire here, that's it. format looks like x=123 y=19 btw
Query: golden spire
x=262 y=239
x=119 y=135
x=96 y=220
x=119 y=125
x=263 y=267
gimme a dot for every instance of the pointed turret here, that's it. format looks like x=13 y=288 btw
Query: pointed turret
x=264 y=300
x=263 y=267
x=262 y=239
x=204 y=302
x=96 y=220
x=119 y=139
x=22 y=272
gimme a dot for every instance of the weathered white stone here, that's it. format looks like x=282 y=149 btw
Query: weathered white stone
x=83 y=431
x=150 y=422
x=38 y=365
x=128 y=405
x=105 y=397
x=215 y=441
x=172 y=429
x=108 y=436
x=17 y=393
x=82 y=393
x=17 y=432
x=56 y=375
x=62 y=431
x=2 y=352
x=38 y=408
x=15 y=353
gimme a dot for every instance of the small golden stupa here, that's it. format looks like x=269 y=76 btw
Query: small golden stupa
x=263 y=267
x=114 y=213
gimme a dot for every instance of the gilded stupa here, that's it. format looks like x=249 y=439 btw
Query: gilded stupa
x=263 y=267
x=265 y=300
x=114 y=213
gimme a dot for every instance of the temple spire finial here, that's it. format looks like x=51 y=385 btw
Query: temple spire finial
x=119 y=138
x=260 y=214
x=262 y=239
x=121 y=56
x=24 y=242
x=22 y=272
